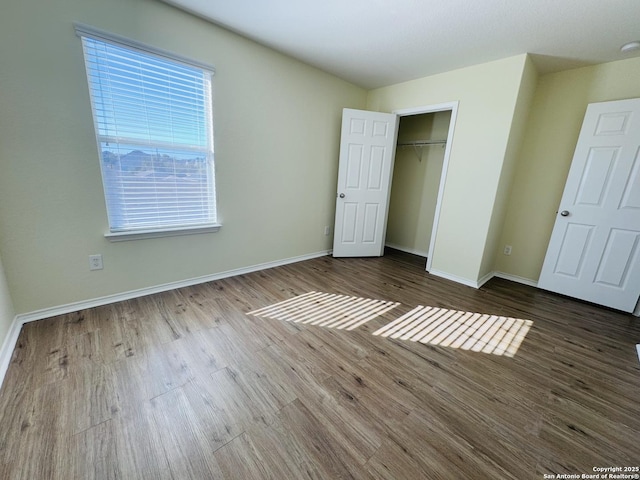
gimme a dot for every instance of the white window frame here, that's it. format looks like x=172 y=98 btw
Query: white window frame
x=121 y=234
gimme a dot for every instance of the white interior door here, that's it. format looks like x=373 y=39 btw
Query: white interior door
x=594 y=253
x=367 y=152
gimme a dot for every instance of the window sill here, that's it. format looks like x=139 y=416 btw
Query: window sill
x=157 y=233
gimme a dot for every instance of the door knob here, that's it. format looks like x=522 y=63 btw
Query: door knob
x=342 y=195
x=564 y=213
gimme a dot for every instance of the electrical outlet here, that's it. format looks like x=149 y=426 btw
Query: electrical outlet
x=327 y=230
x=95 y=262
x=507 y=250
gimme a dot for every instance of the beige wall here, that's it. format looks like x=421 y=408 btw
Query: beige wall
x=277 y=124
x=416 y=178
x=552 y=131
x=7 y=312
x=487 y=96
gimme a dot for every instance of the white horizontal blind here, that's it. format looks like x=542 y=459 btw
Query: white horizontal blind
x=153 y=124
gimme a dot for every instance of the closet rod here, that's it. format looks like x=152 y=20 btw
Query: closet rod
x=421 y=143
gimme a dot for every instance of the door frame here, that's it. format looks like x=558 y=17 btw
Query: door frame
x=439 y=107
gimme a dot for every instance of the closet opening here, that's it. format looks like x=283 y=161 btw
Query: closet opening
x=419 y=173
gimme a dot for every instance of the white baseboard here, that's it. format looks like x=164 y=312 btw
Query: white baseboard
x=484 y=279
x=516 y=278
x=455 y=278
x=8 y=346
x=11 y=339
x=407 y=249
x=118 y=297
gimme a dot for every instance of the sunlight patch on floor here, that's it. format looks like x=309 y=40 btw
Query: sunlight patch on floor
x=327 y=310
x=456 y=329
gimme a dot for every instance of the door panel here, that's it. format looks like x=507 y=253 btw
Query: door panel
x=593 y=253
x=619 y=253
x=371 y=215
x=354 y=166
x=631 y=196
x=596 y=176
x=573 y=250
x=376 y=168
x=612 y=123
x=367 y=150
x=380 y=128
x=349 y=222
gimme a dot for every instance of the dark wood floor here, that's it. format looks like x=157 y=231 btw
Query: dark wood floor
x=187 y=385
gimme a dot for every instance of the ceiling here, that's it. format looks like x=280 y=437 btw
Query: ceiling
x=373 y=43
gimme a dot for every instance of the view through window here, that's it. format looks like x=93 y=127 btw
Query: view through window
x=153 y=122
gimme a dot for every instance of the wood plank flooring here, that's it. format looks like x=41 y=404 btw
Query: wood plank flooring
x=187 y=385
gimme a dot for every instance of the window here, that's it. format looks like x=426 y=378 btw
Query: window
x=153 y=120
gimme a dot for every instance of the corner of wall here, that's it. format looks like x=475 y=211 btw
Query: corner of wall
x=522 y=107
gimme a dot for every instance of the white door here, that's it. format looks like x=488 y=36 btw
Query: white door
x=594 y=248
x=367 y=152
